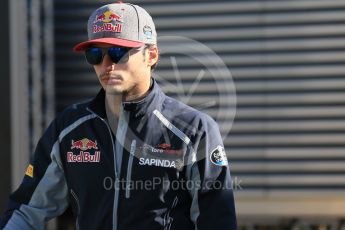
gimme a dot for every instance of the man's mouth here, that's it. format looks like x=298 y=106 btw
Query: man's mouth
x=111 y=78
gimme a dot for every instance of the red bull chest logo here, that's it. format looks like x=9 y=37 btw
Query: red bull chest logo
x=110 y=22
x=84 y=145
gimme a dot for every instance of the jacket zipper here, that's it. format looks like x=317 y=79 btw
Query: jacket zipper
x=78 y=207
x=129 y=168
x=116 y=199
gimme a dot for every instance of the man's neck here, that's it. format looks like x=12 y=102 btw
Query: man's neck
x=113 y=105
x=113 y=110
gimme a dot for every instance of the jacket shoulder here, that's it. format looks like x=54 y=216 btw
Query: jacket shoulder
x=186 y=117
x=72 y=113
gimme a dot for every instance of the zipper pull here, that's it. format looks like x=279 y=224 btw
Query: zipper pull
x=133 y=145
x=129 y=168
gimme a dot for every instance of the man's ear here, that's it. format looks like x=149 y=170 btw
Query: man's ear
x=153 y=54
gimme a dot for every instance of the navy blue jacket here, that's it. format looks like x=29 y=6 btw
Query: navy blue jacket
x=165 y=168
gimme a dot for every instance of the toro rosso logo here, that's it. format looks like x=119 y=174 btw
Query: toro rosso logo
x=84 y=156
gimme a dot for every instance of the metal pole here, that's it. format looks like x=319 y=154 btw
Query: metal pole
x=48 y=72
x=36 y=75
x=19 y=73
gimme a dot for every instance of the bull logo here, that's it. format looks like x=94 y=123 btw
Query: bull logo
x=84 y=144
x=109 y=16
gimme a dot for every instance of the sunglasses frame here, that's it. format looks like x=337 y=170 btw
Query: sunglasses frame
x=119 y=59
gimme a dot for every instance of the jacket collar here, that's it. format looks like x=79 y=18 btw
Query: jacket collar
x=153 y=100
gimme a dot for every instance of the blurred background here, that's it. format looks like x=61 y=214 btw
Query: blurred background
x=286 y=146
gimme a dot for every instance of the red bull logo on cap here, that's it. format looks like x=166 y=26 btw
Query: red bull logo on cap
x=111 y=22
x=108 y=16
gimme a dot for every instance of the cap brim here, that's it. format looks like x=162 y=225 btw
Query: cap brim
x=107 y=41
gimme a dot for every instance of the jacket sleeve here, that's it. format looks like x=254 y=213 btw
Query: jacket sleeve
x=42 y=194
x=212 y=195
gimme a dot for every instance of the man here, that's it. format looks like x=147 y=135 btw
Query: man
x=131 y=158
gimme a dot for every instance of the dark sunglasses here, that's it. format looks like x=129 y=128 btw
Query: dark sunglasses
x=95 y=55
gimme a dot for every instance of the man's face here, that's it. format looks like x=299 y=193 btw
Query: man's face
x=131 y=79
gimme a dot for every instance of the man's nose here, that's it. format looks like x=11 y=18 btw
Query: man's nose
x=108 y=63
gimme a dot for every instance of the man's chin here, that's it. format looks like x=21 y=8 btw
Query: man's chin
x=113 y=90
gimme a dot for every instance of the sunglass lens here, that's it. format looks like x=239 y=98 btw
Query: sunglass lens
x=94 y=55
x=118 y=54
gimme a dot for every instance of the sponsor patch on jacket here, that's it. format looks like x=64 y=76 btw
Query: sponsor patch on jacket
x=84 y=157
x=162 y=155
x=87 y=151
x=157 y=162
x=30 y=171
x=218 y=156
x=84 y=144
x=167 y=150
